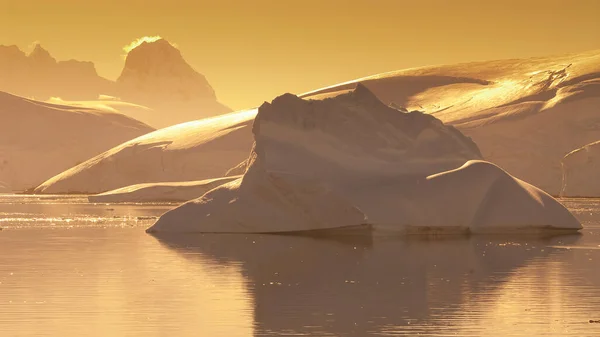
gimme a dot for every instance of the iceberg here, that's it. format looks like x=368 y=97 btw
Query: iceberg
x=350 y=161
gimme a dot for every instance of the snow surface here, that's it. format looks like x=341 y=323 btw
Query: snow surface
x=581 y=170
x=351 y=160
x=39 y=140
x=524 y=114
x=189 y=151
x=157 y=192
x=113 y=104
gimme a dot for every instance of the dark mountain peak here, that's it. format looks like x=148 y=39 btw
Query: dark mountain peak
x=41 y=56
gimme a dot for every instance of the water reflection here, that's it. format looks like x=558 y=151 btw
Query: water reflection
x=113 y=282
x=361 y=286
x=62 y=274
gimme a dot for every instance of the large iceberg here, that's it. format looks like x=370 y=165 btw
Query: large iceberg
x=352 y=160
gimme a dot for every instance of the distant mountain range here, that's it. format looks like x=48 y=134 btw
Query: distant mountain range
x=155 y=75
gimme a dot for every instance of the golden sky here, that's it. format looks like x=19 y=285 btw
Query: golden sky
x=253 y=50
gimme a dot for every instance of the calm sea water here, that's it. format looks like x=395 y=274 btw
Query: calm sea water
x=70 y=268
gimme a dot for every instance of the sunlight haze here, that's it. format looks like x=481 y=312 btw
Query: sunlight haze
x=251 y=51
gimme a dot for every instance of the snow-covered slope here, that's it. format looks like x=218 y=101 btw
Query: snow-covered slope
x=190 y=151
x=112 y=104
x=351 y=160
x=156 y=192
x=39 y=140
x=581 y=172
x=524 y=114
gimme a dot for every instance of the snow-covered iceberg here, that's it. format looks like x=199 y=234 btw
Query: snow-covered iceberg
x=159 y=192
x=581 y=170
x=351 y=160
x=191 y=151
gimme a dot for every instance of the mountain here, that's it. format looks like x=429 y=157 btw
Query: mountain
x=39 y=140
x=524 y=114
x=155 y=76
x=40 y=76
x=156 y=71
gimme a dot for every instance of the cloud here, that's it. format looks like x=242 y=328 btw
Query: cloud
x=32 y=46
x=135 y=43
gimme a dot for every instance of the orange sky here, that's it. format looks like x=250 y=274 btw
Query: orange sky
x=251 y=51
